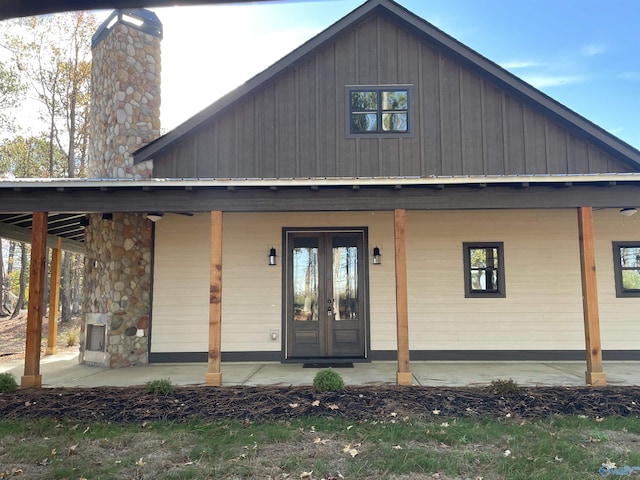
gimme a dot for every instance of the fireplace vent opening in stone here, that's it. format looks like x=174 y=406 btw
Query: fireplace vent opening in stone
x=95 y=338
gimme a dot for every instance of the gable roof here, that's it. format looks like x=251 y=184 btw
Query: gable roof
x=484 y=67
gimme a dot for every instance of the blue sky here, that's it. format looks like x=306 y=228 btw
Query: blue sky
x=585 y=54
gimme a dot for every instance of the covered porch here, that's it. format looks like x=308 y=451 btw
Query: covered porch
x=63 y=370
x=220 y=197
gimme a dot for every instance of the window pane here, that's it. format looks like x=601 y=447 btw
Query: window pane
x=478 y=282
x=631 y=279
x=478 y=257
x=493 y=280
x=630 y=257
x=305 y=282
x=364 y=101
x=394 y=122
x=364 y=122
x=394 y=100
x=482 y=274
x=484 y=257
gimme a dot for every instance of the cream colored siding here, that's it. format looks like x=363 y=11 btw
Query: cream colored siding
x=181 y=284
x=251 y=289
x=543 y=305
x=619 y=317
x=542 y=309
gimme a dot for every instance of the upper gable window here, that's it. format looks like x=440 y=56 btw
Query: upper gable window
x=378 y=110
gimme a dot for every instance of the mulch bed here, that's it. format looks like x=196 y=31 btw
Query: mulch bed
x=135 y=404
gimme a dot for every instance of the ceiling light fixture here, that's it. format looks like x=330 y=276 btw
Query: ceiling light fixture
x=154 y=216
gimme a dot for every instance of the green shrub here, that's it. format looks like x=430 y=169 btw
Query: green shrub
x=504 y=387
x=160 y=387
x=328 y=380
x=8 y=383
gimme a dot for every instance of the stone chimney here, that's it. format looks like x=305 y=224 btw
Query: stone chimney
x=125 y=115
x=125 y=95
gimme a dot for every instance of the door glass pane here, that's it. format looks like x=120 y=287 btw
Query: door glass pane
x=305 y=280
x=345 y=279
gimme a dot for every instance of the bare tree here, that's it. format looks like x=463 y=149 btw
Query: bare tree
x=56 y=51
x=24 y=265
x=1 y=278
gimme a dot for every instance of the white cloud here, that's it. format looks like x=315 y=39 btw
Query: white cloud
x=593 y=49
x=630 y=76
x=518 y=64
x=545 y=81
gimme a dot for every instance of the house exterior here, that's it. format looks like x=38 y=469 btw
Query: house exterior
x=384 y=123
x=381 y=193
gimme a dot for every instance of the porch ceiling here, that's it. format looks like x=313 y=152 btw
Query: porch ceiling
x=68 y=226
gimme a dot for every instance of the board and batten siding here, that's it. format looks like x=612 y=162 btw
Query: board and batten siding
x=542 y=309
x=295 y=124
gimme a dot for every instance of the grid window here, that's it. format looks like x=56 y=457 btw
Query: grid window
x=484 y=269
x=376 y=110
x=626 y=258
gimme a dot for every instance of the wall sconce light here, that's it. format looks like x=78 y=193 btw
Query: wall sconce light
x=154 y=216
x=272 y=256
x=377 y=256
x=628 y=211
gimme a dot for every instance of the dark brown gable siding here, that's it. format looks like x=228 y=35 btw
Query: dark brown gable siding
x=462 y=124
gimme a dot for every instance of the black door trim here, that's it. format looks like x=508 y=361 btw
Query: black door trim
x=364 y=231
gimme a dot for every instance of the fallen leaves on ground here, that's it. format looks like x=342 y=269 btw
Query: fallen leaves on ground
x=373 y=403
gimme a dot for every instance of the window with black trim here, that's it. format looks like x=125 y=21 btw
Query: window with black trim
x=484 y=269
x=626 y=266
x=374 y=110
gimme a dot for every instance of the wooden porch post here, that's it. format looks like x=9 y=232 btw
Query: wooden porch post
x=38 y=266
x=214 y=375
x=54 y=296
x=404 y=376
x=594 y=374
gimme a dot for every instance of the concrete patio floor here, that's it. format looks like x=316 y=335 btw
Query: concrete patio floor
x=63 y=370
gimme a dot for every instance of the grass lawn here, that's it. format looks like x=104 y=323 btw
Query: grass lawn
x=397 y=448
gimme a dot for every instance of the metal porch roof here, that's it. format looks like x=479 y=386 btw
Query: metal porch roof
x=82 y=196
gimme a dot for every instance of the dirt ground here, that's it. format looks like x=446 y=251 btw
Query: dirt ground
x=135 y=404
x=13 y=333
